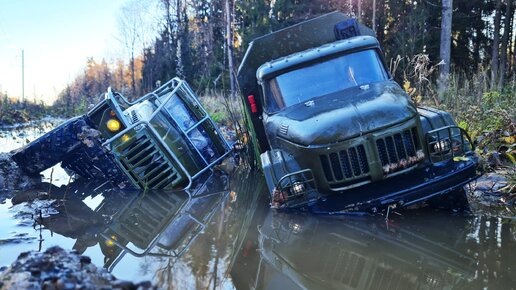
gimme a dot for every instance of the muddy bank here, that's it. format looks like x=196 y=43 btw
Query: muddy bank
x=43 y=122
x=12 y=177
x=59 y=269
x=16 y=136
x=489 y=194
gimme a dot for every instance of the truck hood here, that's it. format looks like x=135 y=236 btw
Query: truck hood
x=342 y=115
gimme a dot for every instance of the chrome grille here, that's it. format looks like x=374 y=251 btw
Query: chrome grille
x=141 y=222
x=345 y=164
x=399 y=150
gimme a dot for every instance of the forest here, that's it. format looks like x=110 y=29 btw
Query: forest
x=457 y=55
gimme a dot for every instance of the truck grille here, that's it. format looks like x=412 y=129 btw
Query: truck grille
x=399 y=151
x=345 y=164
x=147 y=165
x=141 y=222
x=339 y=265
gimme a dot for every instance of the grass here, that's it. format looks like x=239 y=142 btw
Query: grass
x=13 y=111
x=489 y=116
x=223 y=110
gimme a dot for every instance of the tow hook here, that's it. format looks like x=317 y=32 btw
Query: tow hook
x=392 y=207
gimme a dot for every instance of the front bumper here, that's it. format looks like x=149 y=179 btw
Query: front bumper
x=402 y=190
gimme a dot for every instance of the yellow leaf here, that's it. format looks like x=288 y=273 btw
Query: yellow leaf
x=460 y=158
x=406 y=86
x=510 y=139
x=511 y=157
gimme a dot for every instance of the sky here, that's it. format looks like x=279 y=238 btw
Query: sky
x=57 y=37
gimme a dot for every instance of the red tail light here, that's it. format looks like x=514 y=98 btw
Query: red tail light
x=252 y=101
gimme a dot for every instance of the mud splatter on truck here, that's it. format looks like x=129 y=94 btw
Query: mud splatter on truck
x=163 y=140
x=331 y=125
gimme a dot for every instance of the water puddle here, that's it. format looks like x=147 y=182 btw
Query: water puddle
x=222 y=234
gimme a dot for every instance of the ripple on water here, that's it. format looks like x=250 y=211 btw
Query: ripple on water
x=18 y=238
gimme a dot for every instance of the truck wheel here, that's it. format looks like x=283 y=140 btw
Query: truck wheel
x=51 y=148
x=456 y=200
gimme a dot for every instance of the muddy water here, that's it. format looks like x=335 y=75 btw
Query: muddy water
x=221 y=234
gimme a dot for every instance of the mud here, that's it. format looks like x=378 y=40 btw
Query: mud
x=487 y=196
x=13 y=137
x=59 y=269
x=12 y=177
x=48 y=214
x=47 y=122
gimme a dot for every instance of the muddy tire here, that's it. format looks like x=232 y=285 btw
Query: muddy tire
x=51 y=148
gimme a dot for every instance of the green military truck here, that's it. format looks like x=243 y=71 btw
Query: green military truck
x=329 y=123
x=163 y=140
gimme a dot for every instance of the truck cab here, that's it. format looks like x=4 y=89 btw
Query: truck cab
x=330 y=123
x=162 y=140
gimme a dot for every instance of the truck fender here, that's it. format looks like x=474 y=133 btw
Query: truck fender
x=432 y=119
x=276 y=164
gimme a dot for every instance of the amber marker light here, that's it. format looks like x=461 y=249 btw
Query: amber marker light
x=124 y=138
x=110 y=242
x=113 y=125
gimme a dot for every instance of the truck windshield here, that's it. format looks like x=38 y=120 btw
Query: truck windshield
x=324 y=78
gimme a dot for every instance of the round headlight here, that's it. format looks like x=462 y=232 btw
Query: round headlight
x=110 y=242
x=297 y=187
x=442 y=146
x=113 y=125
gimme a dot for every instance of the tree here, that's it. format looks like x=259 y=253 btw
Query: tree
x=445 y=48
x=229 y=47
x=505 y=41
x=496 y=44
x=134 y=27
x=374 y=16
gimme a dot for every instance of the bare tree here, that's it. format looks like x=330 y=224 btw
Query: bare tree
x=445 y=48
x=374 y=15
x=178 y=33
x=229 y=43
x=514 y=44
x=505 y=40
x=359 y=10
x=496 y=44
x=134 y=32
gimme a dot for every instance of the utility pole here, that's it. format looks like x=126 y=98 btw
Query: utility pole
x=23 y=74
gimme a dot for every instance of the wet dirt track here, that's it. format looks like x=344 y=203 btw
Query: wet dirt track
x=223 y=235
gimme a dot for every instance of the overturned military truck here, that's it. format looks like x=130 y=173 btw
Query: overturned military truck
x=163 y=140
x=330 y=124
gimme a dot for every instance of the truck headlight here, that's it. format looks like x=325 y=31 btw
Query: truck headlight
x=296 y=228
x=298 y=187
x=442 y=146
x=110 y=242
x=113 y=125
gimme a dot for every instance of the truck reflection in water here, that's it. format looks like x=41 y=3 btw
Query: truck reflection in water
x=423 y=250
x=131 y=221
x=246 y=245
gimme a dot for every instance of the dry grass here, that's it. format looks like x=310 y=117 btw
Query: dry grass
x=223 y=110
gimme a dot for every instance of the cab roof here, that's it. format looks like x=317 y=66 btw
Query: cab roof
x=302 y=36
x=275 y=67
